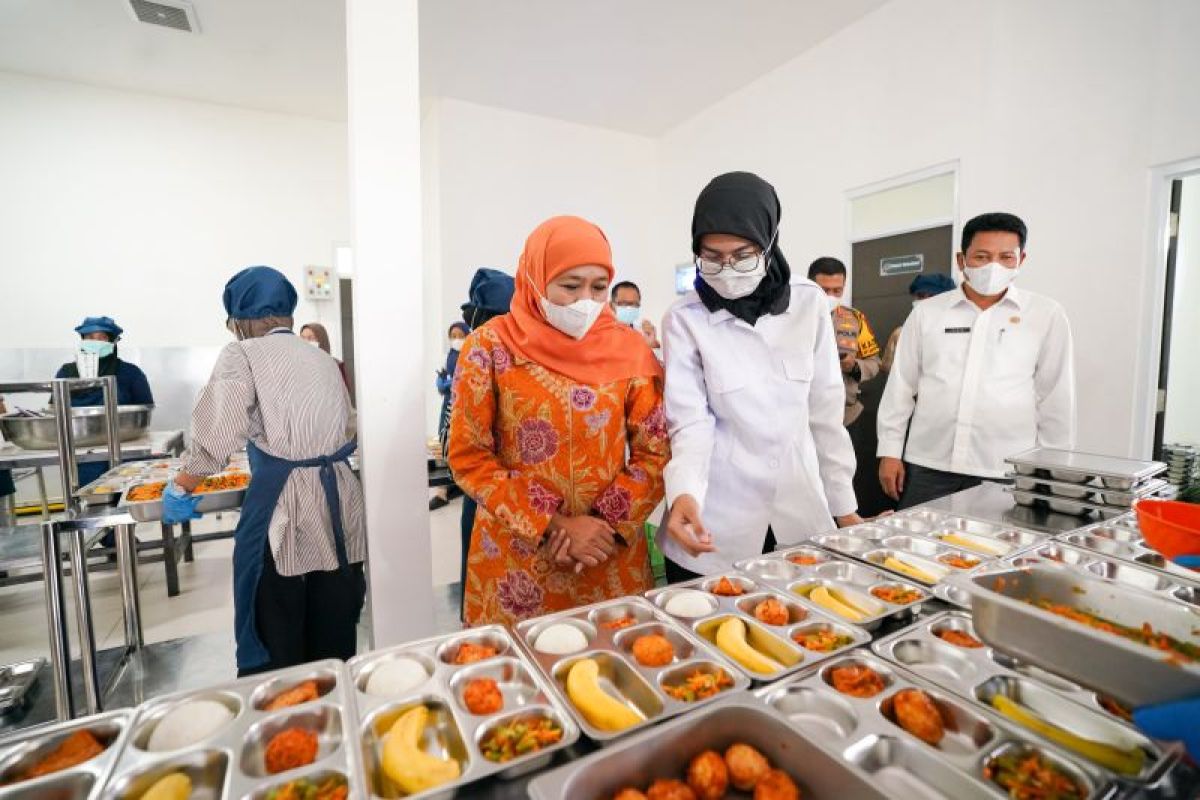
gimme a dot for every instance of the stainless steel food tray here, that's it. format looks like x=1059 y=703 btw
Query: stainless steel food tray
x=16 y=680
x=917 y=541
x=980 y=673
x=22 y=750
x=453 y=731
x=1065 y=505
x=1114 y=473
x=774 y=641
x=1131 y=673
x=1094 y=564
x=666 y=750
x=638 y=687
x=230 y=762
x=152 y=510
x=781 y=571
x=1098 y=495
x=862 y=731
x=1121 y=539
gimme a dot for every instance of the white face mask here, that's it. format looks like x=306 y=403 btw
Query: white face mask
x=733 y=285
x=990 y=279
x=456 y=344
x=313 y=342
x=574 y=320
x=834 y=302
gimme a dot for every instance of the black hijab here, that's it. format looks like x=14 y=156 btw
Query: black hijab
x=743 y=204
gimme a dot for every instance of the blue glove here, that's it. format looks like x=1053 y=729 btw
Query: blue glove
x=1178 y=721
x=178 y=505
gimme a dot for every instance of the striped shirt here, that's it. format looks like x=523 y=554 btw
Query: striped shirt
x=289 y=399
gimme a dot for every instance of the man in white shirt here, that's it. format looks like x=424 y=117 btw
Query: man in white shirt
x=981 y=373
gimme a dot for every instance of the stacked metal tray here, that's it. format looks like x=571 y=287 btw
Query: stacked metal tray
x=638 y=687
x=797 y=571
x=666 y=750
x=979 y=673
x=863 y=731
x=230 y=762
x=452 y=731
x=917 y=538
x=1082 y=484
x=1007 y=613
x=777 y=642
x=1121 y=539
x=1094 y=564
x=23 y=750
x=16 y=680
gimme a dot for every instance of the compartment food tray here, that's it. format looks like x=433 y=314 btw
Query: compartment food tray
x=1114 y=473
x=1121 y=539
x=23 y=749
x=16 y=680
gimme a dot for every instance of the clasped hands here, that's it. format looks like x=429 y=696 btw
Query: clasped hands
x=580 y=542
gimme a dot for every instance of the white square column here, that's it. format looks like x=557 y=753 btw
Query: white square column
x=385 y=189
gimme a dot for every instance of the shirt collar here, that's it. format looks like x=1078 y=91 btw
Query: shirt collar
x=1014 y=296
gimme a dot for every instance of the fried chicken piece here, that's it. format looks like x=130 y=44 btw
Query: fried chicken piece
x=482 y=696
x=653 y=650
x=669 y=789
x=746 y=765
x=708 y=776
x=776 y=785
x=301 y=693
x=917 y=714
x=856 y=680
x=772 y=612
x=727 y=588
x=77 y=748
x=959 y=639
x=629 y=794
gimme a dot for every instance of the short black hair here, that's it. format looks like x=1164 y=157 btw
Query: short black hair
x=994 y=221
x=625 y=285
x=826 y=265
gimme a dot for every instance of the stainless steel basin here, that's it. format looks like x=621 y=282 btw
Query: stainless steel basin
x=88 y=425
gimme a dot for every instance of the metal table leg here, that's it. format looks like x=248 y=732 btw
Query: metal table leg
x=131 y=606
x=169 y=563
x=83 y=616
x=188 y=555
x=41 y=481
x=56 y=618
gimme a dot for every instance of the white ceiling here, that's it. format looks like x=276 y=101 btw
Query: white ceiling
x=635 y=65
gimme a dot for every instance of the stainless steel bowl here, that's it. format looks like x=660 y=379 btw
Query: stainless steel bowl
x=88 y=425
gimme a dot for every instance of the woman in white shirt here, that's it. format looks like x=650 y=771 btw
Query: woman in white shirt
x=754 y=394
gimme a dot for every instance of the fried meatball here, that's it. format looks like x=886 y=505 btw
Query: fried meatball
x=772 y=612
x=669 y=789
x=776 y=785
x=727 y=588
x=917 y=714
x=483 y=696
x=746 y=766
x=653 y=650
x=629 y=794
x=289 y=749
x=708 y=776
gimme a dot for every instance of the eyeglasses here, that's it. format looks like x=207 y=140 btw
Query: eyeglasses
x=743 y=265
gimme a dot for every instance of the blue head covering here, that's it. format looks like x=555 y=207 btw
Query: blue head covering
x=491 y=291
x=99 y=325
x=258 y=292
x=931 y=284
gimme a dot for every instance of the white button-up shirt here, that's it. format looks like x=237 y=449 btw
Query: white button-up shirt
x=979 y=386
x=755 y=415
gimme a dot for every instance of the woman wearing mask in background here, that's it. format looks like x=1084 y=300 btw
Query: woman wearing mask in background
x=548 y=399
x=754 y=394
x=315 y=334
x=299 y=545
x=445 y=379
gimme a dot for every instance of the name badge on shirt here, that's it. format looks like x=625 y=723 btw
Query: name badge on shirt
x=957 y=330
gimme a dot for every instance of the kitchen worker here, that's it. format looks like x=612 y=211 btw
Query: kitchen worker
x=626 y=302
x=299 y=545
x=557 y=430
x=982 y=372
x=754 y=393
x=922 y=287
x=315 y=334
x=98 y=336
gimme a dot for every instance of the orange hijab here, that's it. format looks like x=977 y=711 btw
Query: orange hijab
x=609 y=351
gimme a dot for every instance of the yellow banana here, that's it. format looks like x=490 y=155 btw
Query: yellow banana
x=975 y=545
x=825 y=598
x=731 y=639
x=406 y=764
x=1123 y=762
x=904 y=568
x=597 y=706
x=175 y=786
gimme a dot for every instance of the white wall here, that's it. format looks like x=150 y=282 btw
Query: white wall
x=1055 y=111
x=493 y=175
x=141 y=207
x=1182 y=422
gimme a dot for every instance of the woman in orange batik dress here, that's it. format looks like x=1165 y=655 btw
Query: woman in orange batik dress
x=558 y=432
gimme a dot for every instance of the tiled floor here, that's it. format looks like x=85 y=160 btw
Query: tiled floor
x=205 y=605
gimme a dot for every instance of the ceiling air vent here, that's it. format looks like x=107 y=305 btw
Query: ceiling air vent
x=177 y=14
